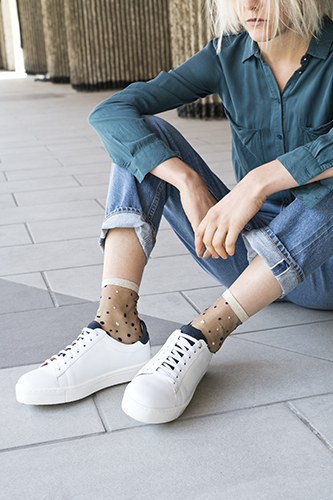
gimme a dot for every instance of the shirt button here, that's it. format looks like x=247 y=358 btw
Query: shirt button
x=279 y=136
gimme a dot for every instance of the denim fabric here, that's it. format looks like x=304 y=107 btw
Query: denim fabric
x=299 y=255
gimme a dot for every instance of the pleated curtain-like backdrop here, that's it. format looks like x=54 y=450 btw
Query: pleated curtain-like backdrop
x=56 y=40
x=32 y=36
x=3 y=56
x=112 y=43
x=190 y=32
x=100 y=44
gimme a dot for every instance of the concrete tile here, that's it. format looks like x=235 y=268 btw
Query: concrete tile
x=262 y=453
x=167 y=244
x=35 y=185
x=15 y=234
x=94 y=179
x=19 y=155
x=204 y=297
x=66 y=229
x=82 y=158
x=91 y=150
x=314 y=339
x=30 y=279
x=2 y=177
x=318 y=413
x=244 y=375
x=22 y=425
x=64 y=195
x=32 y=336
x=26 y=163
x=14 y=151
x=46 y=256
x=282 y=314
x=51 y=211
x=6 y=201
x=64 y=144
x=16 y=297
x=84 y=282
x=170 y=274
x=168 y=306
x=57 y=171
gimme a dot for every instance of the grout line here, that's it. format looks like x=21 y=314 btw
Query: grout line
x=100 y=204
x=15 y=200
x=49 y=289
x=53 y=441
x=306 y=422
x=189 y=301
x=29 y=232
x=195 y=417
x=283 y=349
x=76 y=180
x=101 y=413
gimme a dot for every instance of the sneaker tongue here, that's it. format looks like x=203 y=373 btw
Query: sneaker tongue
x=93 y=325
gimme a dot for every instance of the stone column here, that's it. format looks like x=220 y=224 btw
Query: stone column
x=190 y=32
x=9 y=34
x=55 y=40
x=32 y=34
x=112 y=43
x=3 y=55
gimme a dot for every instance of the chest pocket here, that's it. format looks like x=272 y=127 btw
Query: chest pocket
x=312 y=133
x=248 y=144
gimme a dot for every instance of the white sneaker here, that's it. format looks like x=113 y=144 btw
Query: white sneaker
x=91 y=363
x=164 y=387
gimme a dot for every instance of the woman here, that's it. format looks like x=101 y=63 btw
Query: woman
x=269 y=238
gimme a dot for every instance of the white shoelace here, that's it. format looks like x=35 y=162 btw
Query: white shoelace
x=62 y=358
x=175 y=357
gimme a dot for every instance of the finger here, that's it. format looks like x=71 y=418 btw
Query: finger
x=219 y=243
x=230 y=240
x=199 y=244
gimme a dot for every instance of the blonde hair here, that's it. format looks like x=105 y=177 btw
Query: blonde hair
x=305 y=16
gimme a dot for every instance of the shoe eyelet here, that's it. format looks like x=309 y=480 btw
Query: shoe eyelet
x=200 y=347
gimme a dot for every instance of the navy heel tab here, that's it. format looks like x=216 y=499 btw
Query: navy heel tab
x=145 y=335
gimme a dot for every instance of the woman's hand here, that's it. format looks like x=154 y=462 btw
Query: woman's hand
x=219 y=230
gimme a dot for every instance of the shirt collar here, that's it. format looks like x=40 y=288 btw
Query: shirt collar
x=319 y=47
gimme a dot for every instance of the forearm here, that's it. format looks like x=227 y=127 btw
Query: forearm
x=273 y=177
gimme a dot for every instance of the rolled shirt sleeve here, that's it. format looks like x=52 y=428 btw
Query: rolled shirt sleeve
x=307 y=162
x=119 y=123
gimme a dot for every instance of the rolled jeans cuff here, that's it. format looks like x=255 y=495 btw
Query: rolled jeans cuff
x=130 y=218
x=263 y=242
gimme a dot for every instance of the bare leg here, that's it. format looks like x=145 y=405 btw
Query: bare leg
x=255 y=288
x=124 y=262
x=123 y=255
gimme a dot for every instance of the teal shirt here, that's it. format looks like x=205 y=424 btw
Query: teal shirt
x=295 y=126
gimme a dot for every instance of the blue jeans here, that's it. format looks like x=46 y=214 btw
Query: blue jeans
x=294 y=241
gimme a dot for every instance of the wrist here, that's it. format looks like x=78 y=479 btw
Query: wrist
x=176 y=172
x=271 y=178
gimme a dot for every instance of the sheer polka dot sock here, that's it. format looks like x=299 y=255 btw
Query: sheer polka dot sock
x=117 y=313
x=219 y=320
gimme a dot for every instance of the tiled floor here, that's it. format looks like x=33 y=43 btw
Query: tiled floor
x=261 y=423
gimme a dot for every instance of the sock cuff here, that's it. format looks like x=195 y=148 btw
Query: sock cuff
x=120 y=282
x=235 y=306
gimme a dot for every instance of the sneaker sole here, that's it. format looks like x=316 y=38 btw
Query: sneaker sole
x=75 y=392
x=154 y=415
